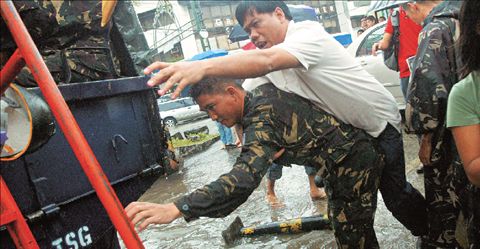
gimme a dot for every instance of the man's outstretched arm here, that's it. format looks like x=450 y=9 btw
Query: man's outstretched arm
x=248 y=64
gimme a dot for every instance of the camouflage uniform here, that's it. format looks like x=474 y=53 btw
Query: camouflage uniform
x=75 y=47
x=346 y=158
x=471 y=209
x=69 y=37
x=130 y=48
x=435 y=72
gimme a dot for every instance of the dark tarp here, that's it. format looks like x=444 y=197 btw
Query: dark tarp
x=237 y=34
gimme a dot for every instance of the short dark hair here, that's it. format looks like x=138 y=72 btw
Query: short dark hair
x=248 y=7
x=371 y=18
x=212 y=86
x=468 y=41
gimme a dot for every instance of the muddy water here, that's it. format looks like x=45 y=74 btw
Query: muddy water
x=292 y=189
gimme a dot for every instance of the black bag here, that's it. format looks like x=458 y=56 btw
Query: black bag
x=390 y=55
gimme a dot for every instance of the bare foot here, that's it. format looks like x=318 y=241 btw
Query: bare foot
x=271 y=198
x=274 y=201
x=238 y=143
x=318 y=194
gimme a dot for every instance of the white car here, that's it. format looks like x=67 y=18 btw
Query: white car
x=361 y=49
x=179 y=110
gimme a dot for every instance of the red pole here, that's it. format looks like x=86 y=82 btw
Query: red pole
x=69 y=126
x=12 y=217
x=10 y=70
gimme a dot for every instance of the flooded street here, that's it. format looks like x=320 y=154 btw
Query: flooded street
x=293 y=191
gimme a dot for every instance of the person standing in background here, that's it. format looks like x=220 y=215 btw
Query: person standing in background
x=463 y=116
x=408 y=41
x=225 y=135
x=370 y=21
x=435 y=71
x=363 y=23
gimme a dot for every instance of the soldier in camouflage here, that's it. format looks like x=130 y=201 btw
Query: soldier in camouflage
x=286 y=128
x=435 y=71
x=76 y=48
x=73 y=44
x=69 y=37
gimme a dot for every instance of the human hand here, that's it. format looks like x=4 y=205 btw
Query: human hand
x=425 y=149
x=147 y=213
x=375 y=48
x=183 y=73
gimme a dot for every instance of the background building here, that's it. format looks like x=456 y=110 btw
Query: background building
x=183 y=28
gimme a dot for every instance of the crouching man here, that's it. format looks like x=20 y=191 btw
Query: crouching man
x=274 y=122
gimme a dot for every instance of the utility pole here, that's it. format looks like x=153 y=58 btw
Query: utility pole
x=199 y=25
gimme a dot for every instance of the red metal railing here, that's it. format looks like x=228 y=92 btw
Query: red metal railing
x=13 y=219
x=28 y=52
x=11 y=69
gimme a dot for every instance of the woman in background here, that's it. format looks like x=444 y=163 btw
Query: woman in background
x=463 y=116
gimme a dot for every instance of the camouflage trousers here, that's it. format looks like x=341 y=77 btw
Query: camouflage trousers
x=471 y=211
x=352 y=187
x=443 y=184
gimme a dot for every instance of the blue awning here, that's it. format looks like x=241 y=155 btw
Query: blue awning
x=202 y=56
x=209 y=54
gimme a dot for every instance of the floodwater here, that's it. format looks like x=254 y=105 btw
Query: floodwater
x=292 y=189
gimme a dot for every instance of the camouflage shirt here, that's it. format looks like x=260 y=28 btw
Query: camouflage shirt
x=73 y=44
x=273 y=121
x=435 y=71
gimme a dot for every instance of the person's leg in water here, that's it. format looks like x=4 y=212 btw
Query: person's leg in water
x=315 y=192
x=274 y=173
x=228 y=136
x=405 y=202
x=225 y=135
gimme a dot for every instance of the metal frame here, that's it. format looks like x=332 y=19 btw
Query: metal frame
x=12 y=217
x=27 y=53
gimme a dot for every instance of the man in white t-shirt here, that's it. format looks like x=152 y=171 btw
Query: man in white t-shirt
x=304 y=59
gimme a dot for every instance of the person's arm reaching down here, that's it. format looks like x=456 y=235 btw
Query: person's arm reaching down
x=248 y=64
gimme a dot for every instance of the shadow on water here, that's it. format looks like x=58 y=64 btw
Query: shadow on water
x=293 y=191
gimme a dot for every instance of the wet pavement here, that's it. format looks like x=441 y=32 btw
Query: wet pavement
x=292 y=190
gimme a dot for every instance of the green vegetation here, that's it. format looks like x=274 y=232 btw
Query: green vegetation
x=187 y=142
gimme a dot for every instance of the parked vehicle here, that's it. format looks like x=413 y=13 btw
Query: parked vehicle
x=361 y=49
x=179 y=110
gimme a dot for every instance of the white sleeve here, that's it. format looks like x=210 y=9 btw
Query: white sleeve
x=252 y=83
x=308 y=41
